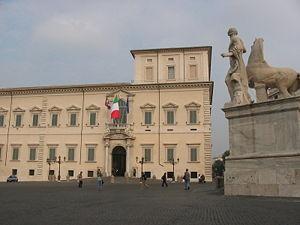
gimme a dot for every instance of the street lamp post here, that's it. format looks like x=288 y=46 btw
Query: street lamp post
x=173 y=163
x=59 y=162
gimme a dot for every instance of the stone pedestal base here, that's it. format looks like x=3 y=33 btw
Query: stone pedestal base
x=264 y=143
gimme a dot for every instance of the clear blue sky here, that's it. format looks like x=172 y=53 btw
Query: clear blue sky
x=59 y=42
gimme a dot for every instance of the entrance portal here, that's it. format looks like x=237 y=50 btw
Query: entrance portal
x=118 y=161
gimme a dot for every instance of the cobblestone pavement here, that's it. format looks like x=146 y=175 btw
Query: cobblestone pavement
x=42 y=203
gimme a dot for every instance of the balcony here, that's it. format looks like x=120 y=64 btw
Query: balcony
x=116 y=128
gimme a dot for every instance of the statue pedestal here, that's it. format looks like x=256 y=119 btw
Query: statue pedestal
x=264 y=141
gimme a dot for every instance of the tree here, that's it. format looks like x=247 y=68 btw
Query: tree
x=219 y=165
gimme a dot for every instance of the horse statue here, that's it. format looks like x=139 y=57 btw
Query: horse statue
x=262 y=76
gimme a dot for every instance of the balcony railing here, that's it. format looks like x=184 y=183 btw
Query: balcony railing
x=119 y=128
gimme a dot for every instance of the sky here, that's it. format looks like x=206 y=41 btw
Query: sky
x=65 y=42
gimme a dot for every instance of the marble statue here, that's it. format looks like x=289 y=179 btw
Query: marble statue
x=236 y=79
x=263 y=76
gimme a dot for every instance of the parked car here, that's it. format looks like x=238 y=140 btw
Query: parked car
x=12 y=178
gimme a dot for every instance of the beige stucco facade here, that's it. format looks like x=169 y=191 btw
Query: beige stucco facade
x=171 y=87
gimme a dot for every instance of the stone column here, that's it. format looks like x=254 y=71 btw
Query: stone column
x=128 y=160
x=106 y=158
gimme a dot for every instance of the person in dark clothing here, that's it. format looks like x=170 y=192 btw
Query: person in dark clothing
x=164 y=180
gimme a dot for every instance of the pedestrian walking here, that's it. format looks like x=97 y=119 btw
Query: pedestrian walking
x=79 y=179
x=164 y=180
x=187 y=180
x=99 y=180
x=143 y=180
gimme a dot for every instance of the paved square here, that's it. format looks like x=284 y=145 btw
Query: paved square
x=63 y=204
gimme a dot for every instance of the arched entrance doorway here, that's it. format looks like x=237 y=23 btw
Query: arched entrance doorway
x=118 y=161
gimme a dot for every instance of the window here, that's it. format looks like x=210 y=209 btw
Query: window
x=194 y=175
x=1 y=120
x=193 y=117
x=149 y=73
x=54 y=119
x=32 y=154
x=90 y=173
x=192 y=110
x=93 y=116
x=193 y=71
x=14 y=171
x=31 y=172
x=71 y=173
x=147 y=114
x=170 y=154
x=170 y=113
x=51 y=172
x=148 y=117
x=35 y=120
x=192 y=58
x=73 y=119
x=148 y=174
x=171 y=59
x=91 y=153
x=149 y=60
x=171 y=72
x=71 y=154
x=147 y=154
x=52 y=153
x=193 y=154
x=18 y=120
x=15 y=153
x=170 y=117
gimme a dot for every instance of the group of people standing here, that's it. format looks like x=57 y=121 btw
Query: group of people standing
x=100 y=181
x=186 y=178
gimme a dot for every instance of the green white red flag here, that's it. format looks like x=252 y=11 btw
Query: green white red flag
x=115 y=112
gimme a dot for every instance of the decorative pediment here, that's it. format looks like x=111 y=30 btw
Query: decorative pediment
x=121 y=93
x=170 y=106
x=2 y=110
x=148 y=106
x=18 y=109
x=55 y=109
x=36 y=109
x=73 y=108
x=93 y=107
x=192 y=105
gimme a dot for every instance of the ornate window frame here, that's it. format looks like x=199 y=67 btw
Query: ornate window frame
x=193 y=106
x=193 y=146
x=73 y=110
x=148 y=107
x=170 y=107
x=170 y=146
x=144 y=147
x=53 y=146
x=71 y=146
x=92 y=109
x=18 y=111
x=35 y=111
x=13 y=146
x=3 y=112
x=87 y=153
x=31 y=146
x=54 y=110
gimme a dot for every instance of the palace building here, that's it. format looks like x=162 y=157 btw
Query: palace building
x=165 y=123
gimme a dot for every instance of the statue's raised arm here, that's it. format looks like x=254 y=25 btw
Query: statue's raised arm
x=236 y=78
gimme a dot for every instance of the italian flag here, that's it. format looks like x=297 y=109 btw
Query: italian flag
x=115 y=112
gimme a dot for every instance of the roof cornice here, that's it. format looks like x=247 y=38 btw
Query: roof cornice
x=102 y=88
